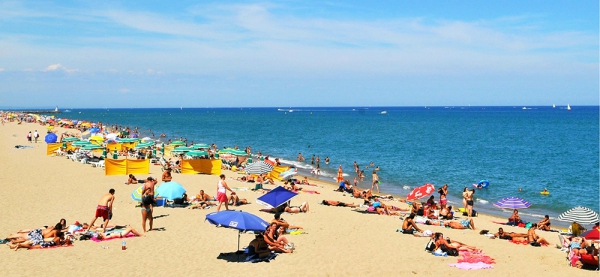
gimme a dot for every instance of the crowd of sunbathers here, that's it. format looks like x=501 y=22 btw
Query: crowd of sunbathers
x=62 y=234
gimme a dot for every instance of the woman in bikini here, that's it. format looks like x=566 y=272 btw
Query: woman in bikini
x=303 y=208
x=124 y=233
x=272 y=242
x=443 y=192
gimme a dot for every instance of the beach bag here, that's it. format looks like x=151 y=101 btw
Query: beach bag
x=430 y=246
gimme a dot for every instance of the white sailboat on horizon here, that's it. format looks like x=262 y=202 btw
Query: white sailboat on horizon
x=568 y=107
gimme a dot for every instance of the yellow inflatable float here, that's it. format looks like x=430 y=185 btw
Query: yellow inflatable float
x=545 y=192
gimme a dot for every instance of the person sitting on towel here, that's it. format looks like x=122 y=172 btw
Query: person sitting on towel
x=409 y=226
x=460 y=224
x=544 y=224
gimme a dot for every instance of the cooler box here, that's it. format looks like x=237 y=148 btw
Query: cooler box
x=160 y=202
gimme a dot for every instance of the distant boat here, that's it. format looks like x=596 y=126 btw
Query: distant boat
x=56 y=109
x=553 y=106
x=568 y=107
x=291 y=111
x=383 y=112
x=524 y=108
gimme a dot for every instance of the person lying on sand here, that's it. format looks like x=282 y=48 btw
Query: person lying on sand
x=337 y=203
x=128 y=230
x=460 y=224
x=305 y=182
x=37 y=237
x=303 y=208
x=57 y=239
x=446 y=213
x=267 y=180
x=234 y=200
x=364 y=194
x=409 y=226
x=508 y=236
x=439 y=240
x=131 y=180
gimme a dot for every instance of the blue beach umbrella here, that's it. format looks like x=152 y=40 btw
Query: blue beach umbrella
x=238 y=220
x=170 y=190
x=512 y=203
x=50 y=138
x=276 y=197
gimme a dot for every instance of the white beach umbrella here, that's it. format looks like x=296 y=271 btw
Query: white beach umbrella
x=580 y=215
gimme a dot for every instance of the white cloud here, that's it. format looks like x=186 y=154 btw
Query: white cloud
x=57 y=66
x=1 y=69
x=124 y=90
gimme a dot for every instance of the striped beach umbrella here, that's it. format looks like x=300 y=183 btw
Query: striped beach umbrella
x=137 y=193
x=582 y=215
x=512 y=203
x=259 y=168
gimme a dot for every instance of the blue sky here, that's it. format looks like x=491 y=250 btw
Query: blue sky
x=85 y=54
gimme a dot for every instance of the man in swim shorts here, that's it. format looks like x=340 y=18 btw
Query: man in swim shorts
x=148 y=202
x=104 y=208
x=462 y=224
x=409 y=226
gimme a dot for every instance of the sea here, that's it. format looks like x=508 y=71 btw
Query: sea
x=519 y=150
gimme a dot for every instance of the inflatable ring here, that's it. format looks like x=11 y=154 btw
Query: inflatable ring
x=544 y=192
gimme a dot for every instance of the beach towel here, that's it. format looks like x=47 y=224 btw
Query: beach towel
x=471 y=266
x=52 y=247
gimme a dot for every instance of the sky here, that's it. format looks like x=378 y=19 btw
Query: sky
x=117 y=54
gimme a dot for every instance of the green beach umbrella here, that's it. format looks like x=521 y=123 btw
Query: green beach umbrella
x=144 y=145
x=70 y=139
x=233 y=152
x=200 y=146
x=197 y=153
x=81 y=143
x=92 y=147
x=104 y=153
x=182 y=149
x=178 y=143
x=129 y=140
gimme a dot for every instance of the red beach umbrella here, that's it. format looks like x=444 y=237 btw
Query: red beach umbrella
x=593 y=234
x=420 y=192
x=340 y=175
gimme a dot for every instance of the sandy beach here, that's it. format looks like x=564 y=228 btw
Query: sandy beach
x=39 y=190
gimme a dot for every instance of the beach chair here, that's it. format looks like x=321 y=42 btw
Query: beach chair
x=99 y=163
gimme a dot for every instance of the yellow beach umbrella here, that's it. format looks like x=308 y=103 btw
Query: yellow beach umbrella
x=97 y=138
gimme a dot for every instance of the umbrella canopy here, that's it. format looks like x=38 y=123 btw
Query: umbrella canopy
x=238 y=220
x=170 y=190
x=112 y=136
x=97 y=138
x=593 y=234
x=94 y=130
x=178 y=143
x=81 y=143
x=51 y=138
x=137 y=194
x=92 y=147
x=146 y=138
x=276 y=197
x=70 y=139
x=582 y=215
x=181 y=149
x=420 y=192
x=288 y=173
x=197 y=153
x=144 y=145
x=233 y=152
x=200 y=146
x=258 y=168
x=129 y=140
x=512 y=203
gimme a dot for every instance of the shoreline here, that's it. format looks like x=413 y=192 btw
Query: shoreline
x=454 y=201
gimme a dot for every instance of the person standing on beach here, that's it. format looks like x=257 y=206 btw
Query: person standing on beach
x=104 y=208
x=443 y=191
x=464 y=195
x=222 y=189
x=29 y=137
x=375 y=181
x=36 y=135
x=147 y=202
x=470 y=202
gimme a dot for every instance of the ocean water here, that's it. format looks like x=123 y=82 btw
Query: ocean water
x=513 y=148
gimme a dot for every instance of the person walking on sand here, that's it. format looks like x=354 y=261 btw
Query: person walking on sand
x=469 y=196
x=375 y=181
x=36 y=135
x=222 y=189
x=147 y=202
x=29 y=137
x=104 y=208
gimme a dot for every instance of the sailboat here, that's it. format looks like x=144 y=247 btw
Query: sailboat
x=553 y=106
x=568 y=107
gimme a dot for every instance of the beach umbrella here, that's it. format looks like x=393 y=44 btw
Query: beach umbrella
x=181 y=149
x=233 y=152
x=593 y=234
x=137 y=193
x=144 y=145
x=197 y=153
x=420 y=192
x=258 y=168
x=112 y=136
x=581 y=215
x=146 y=139
x=276 y=197
x=178 y=143
x=288 y=173
x=238 y=220
x=512 y=203
x=70 y=139
x=92 y=147
x=170 y=190
x=81 y=143
x=129 y=140
x=94 y=130
x=50 y=138
x=97 y=138
x=200 y=146
x=340 y=175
